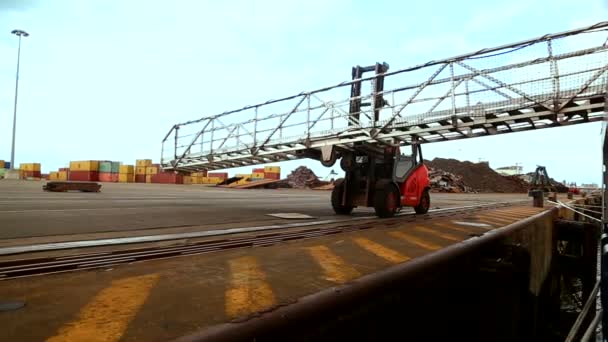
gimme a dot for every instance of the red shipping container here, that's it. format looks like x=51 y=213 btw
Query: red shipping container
x=140 y=178
x=28 y=174
x=84 y=176
x=168 y=178
x=260 y=170
x=115 y=177
x=105 y=177
x=221 y=175
x=272 y=175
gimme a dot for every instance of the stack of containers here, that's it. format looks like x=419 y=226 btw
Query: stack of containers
x=151 y=171
x=85 y=170
x=58 y=175
x=221 y=175
x=140 y=169
x=167 y=178
x=115 y=171
x=272 y=172
x=126 y=174
x=105 y=171
x=187 y=180
x=197 y=177
x=258 y=174
x=29 y=170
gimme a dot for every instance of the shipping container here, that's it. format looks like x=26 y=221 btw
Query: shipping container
x=126 y=169
x=54 y=175
x=126 y=177
x=199 y=174
x=167 y=178
x=149 y=178
x=29 y=166
x=187 y=180
x=140 y=170
x=25 y=174
x=222 y=175
x=64 y=169
x=105 y=177
x=2 y=164
x=62 y=175
x=85 y=165
x=105 y=167
x=258 y=170
x=270 y=175
x=151 y=170
x=115 y=167
x=84 y=176
x=140 y=178
x=7 y=164
x=272 y=169
x=259 y=175
x=143 y=162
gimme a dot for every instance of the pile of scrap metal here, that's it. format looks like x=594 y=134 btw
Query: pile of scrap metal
x=304 y=178
x=442 y=181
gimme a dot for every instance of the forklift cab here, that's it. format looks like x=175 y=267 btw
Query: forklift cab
x=406 y=164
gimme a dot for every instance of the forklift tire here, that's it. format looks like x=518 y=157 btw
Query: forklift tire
x=425 y=203
x=336 y=201
x=387 y=201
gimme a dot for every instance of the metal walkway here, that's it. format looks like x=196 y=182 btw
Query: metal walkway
x=550 y=81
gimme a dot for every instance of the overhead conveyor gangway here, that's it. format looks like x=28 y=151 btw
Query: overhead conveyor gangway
x=550 y=81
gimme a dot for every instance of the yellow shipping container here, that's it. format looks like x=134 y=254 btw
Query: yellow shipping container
x=126 y=169
x=84 y=165
x=53 y=175
x=143 y=162
x=187 y=180
x=126 y=178
x=62 y=175
x=148 y=178
x=243 y=175
x=257 y=175
x=272 y=169
x=140 y=170
x=196 y=179
x=151 y=170
x=2 y=164
x=29 y=166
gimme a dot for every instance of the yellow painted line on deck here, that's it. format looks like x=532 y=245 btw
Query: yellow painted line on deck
x=497 y=224
x=495 y=219
x=438 y=233
x=448 y=226
x=248 y=291
x=334 y=267
x=381 y=251
x=415 y=240
x=107 y=315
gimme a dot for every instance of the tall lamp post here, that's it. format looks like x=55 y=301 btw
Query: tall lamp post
x=19 y=33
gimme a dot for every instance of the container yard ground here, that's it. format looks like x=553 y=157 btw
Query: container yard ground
x=30 y=215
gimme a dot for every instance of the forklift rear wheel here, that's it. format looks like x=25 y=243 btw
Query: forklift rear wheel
x=387 y=201
x=336 y=201
x=425 y=203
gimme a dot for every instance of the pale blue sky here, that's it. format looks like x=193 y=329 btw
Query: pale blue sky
x=107 y=79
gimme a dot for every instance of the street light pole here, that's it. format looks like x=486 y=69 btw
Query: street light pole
x=19 y=33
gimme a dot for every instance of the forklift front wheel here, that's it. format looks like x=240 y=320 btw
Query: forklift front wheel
x=336 y=201
x=387 y=201
x=425 y=203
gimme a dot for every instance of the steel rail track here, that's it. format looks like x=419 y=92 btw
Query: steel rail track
x=17 y=268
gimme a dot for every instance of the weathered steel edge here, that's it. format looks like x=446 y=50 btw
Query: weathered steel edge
x=311 y=305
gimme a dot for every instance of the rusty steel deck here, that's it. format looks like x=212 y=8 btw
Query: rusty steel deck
x=218 y=289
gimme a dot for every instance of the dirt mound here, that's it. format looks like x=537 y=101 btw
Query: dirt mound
x=478 y=177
